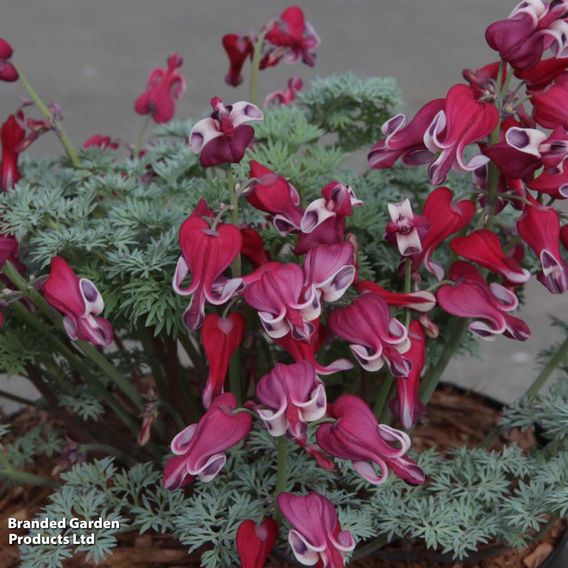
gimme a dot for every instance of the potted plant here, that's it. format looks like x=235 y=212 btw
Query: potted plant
x=237 y=340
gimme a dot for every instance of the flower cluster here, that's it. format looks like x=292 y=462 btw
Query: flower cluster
x=462 y=258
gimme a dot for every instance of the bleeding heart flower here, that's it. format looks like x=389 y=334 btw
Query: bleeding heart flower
x=206 y=252
x=484 y=248
x=323 y=221
x=463 y=121
x=221 y=337
x=531 y=28
x=405 y=229
x=238 y=48
x=282 y=302
x=331 y=269
x=224 y=137
x=539 y=227
x=286 y=97
x=405 y=141
x=102 y=142
x=79 y=301
x=358 y=437
x=200 y=448
x=407 y=406
x=290 y=38
x=291 y=396
x=164 y=88
x=444 y=218
x=316 y=536
x=421 y=301
x=472 y=297
x=269 y=192
x=255 y=542
x=12 y=137
x=376 y=338
x=8 y=72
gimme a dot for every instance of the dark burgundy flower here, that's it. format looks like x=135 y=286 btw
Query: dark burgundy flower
x=164 y=88
x=224 y=137
x=316 y=537
x=80 y=302
x=200 y=448
x=255 y=542
x=8 y=72
x=290 y=38
x=358 y=437
x=238 y=48
x=101 y=141
x=531 y=28
x=287 y=96
x=12 y=137
x=221 y=337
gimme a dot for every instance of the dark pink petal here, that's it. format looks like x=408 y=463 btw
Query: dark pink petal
x=551 y=106
x=12 y=136
x=421 y=301
x=255 y=542
x=484 y=248
x=221 y=336
x=8 y=72
x=238 y=48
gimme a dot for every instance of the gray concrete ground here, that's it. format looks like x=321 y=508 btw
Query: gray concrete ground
x=93 y=56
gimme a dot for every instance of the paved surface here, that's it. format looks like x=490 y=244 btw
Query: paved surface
x=93 y=56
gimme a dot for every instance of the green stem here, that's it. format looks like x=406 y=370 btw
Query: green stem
x=534 y=389
x=25 y=478
x=15 y=398
x=234 y=200
x=253 y=93
x=383 y=395
x=141 y=134
x=370 y=547
x=456 y=329
x=282 y=449
x=59 y=131
x=407 y=287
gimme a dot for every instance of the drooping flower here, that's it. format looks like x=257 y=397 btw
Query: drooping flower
x=101 y=141
x=269 y=192
x=531 y=28
x=316 y=536
x=463 y=121
x=164 y=88
x=550 y=104
x=420 y=301
x=306 y=350
x=206 y=252
x=287 y=96
x=255 y=542
x=200 y=448
x=539 y=227
x=405 y=229
x=331 y=269
x=79 y=301
x=8 y=72
x=253 y=247
x=12 y=136
x=358 y=437
x=221 y=336
x=224 y=137
x=290 y=38
x=445 y=217
x=564 y=236
x=283 y=303
x=407 y=407
x=238 y=48
x=323 y=221
x=484 y=248
x=291 y=396
x=405 y=140
x=376 y=338
x=487 y=304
